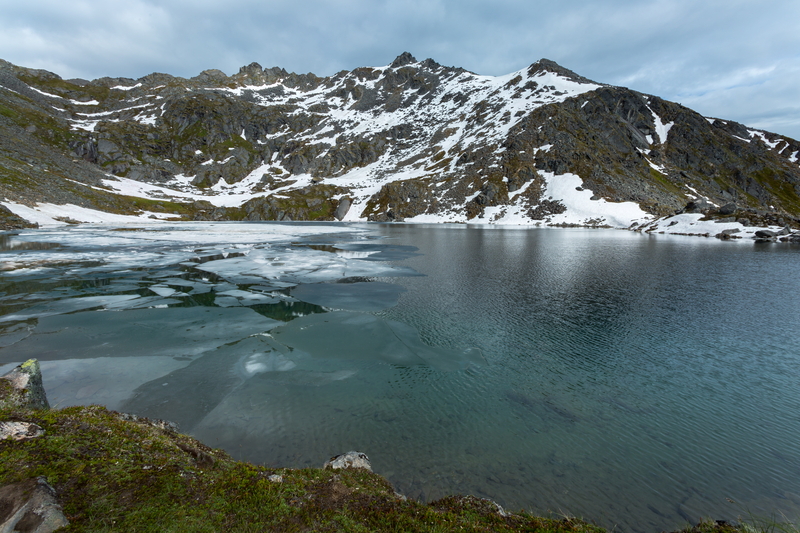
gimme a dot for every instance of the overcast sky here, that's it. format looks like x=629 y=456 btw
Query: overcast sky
x=734 y=59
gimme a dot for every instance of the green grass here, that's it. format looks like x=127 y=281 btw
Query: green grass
x=112 y=474
x=780 y=187
x=62 y=87
x=751 y=523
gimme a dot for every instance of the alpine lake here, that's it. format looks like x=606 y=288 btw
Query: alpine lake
x=639 y=381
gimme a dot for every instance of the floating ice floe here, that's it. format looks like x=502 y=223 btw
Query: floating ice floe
x=181 y=331
x=297 y=265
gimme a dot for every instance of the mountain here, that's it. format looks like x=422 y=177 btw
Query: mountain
x=413 y=141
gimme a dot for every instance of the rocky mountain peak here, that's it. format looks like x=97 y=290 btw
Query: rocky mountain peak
x=402 y=60
x=547 y=65
x=415 y=141
x=210 y=75
x=253 y=69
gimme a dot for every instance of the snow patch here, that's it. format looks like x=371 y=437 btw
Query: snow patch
x=760 y=135
x=46 y=94
x=124 y=88
x=48 y=215
x=662 y=128
x=581 y=209
x=690 y=224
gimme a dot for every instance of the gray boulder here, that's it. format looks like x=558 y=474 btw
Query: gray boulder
x=765 y=234
x=342 y=208
x=23 y=388
x=700 y=205
x=348 y=460
x=30 y=506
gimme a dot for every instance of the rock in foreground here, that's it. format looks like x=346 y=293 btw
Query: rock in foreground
x=348 y=460
x=23 y=387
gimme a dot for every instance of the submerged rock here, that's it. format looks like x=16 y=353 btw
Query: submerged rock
x=30 y=506
x=23 y=388
x=348 y=460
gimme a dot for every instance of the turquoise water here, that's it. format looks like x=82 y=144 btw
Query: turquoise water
x=638 y=381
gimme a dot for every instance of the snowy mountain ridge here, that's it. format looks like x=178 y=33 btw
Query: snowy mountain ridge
x=411 y=141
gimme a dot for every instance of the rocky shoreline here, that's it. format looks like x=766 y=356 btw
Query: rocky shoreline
x=90 y=469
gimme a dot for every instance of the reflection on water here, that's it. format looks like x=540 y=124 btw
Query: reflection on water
x=9 y=242
x=635 y=380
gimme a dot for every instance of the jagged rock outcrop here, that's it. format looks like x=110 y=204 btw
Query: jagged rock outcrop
x=412 y=139
x=22 y=387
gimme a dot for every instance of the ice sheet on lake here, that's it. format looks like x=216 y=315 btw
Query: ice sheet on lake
x=107 y=381
x=70 y=305
x=361 y=296
x=186 y=331
x=227 y=301
x=162 y=290
x=298 y=266
x=12 y=334
x=376 y=251
x=156 y=246
x=344 y=335
x=187 y=394
x=258 y=363
x=247 y=298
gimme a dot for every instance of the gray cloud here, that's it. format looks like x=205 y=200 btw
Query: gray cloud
x=734 y=59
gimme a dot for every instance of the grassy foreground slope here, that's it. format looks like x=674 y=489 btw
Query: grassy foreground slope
x=118 y=472
x=115 y=474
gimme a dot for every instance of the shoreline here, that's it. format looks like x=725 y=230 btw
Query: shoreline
x=684 y=225
x=106 y=470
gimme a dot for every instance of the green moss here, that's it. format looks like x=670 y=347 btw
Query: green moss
x=64 y=88
x=780 y=187
x=150 y=204
x=8 y=112
x=662 y=180
x=117 y=475
x=31 y=365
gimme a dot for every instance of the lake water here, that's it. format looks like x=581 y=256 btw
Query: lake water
x=637 y=381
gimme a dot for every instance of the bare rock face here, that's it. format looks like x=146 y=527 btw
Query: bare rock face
x=23 y=388
x=30 y=506
x=349 y=460
x=342 y=208
x=9 y=220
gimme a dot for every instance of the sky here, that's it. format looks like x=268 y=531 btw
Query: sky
x=731 y=59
